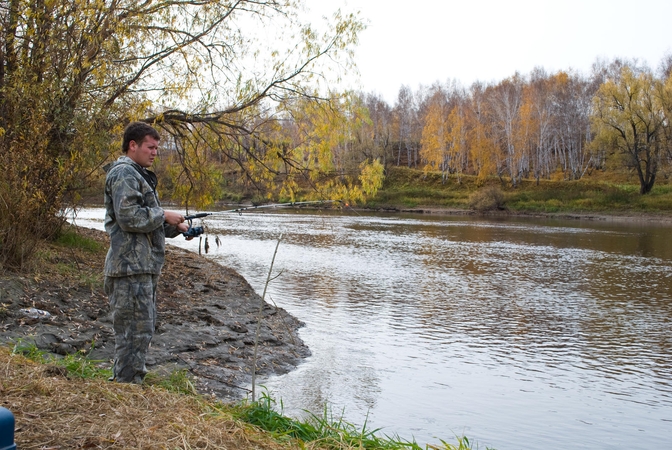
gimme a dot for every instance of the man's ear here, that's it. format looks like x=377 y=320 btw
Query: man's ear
x=132 y=146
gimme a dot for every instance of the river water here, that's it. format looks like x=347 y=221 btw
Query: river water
x=516 y=333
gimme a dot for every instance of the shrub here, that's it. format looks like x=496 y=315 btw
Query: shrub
x=489 y=198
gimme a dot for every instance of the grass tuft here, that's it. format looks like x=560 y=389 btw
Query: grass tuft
x=325 y=431
x=54 y=410
x=71 y=239
x=78 y=365
x=75 y=364
x=29 y=349
x=179 y=382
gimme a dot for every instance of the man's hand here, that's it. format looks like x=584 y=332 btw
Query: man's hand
x=176 y=219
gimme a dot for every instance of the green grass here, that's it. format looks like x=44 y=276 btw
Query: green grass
x=69 y=238
x=325 y=430
x=179 y=381
x=29 y=349
x=76 y=364
x=79 y=365
x=73 y=256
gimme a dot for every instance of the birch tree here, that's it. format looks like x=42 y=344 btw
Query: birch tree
x=457 y=142
x=572 y=124
x=505 y=102
x=483 y=150
x=537 y=117
x=405 y=115
x=380 y=115
x=434 y=142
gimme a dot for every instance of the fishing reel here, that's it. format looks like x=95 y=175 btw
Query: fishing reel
x=193 y=231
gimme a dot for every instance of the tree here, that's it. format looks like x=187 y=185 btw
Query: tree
x=666 y=100
x=435 y=135
x=379 y=127
x=457 y=146
x=572 y=124
x=405 y=115
x=537 y=114
x=629 y=118
x=72 y=72
x=483 y=150
x=505 y=100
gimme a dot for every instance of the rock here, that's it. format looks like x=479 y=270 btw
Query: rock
x=34 y=313
x=237 y=327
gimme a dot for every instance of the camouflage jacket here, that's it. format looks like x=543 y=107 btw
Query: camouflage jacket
x=134 y=220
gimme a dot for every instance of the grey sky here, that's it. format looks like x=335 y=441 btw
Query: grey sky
x=425 y=41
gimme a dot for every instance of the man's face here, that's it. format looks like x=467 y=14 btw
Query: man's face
x=144 y=152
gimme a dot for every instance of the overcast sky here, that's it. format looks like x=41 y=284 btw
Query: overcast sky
x=423 y=41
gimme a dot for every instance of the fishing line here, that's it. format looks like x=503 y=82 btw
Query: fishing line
x=196 y=231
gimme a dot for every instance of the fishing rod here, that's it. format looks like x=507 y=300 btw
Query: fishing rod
x=197 y=231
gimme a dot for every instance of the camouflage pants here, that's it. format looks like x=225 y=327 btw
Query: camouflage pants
x=133 y=306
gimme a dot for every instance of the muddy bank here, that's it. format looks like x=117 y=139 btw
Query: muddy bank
x=207 y=318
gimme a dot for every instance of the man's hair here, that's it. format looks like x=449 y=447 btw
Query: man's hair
x=137 y=131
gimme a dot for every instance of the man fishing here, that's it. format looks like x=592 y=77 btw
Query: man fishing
x=137 y=226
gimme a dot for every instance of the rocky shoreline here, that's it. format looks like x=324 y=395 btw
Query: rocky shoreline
x=207 y=320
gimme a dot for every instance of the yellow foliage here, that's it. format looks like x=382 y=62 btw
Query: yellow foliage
x=434 y=136
x=371 y=177
x=482 y=150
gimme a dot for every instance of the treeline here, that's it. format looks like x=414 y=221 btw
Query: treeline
x=538 y=126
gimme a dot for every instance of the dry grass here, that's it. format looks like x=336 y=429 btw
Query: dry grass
x=54 y=412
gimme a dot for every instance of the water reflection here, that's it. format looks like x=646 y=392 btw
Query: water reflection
x=518 y=333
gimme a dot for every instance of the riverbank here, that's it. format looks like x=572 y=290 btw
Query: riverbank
x=594 y=197
x=207 y=315
x=206 y=328
x=577 y=215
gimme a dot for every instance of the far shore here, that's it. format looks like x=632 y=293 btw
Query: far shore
x=616 y=216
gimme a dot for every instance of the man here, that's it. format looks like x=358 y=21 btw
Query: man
x=137 y=226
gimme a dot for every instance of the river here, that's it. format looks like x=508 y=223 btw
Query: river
x=518 y=333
